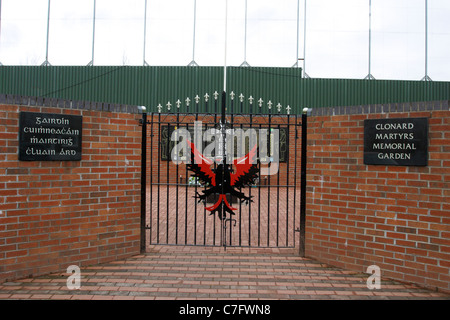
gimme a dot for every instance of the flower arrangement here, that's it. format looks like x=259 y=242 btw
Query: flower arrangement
x=193 y=181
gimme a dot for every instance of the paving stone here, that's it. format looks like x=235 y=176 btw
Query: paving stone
x=211 y=273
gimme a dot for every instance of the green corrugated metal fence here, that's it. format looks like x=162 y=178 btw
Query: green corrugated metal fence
x=151 y=86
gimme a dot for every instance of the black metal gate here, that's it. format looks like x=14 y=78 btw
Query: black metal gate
x=266 y=210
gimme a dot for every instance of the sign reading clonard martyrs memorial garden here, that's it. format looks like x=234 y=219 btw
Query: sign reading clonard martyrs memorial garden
x=49 y=137
x=398 y=142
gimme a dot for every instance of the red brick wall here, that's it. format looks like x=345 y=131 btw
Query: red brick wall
x=59 y=213
x=395 y=217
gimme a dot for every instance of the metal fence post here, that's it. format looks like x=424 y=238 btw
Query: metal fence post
x=143 y=121
x=305 y=113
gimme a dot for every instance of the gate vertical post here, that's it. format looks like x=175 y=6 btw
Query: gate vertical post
x=224 y=160
x=303 y=181
x=143 y=180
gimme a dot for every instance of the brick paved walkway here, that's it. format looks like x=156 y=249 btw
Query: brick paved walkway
x=170 y=272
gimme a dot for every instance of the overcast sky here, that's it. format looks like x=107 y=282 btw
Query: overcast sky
x=337 y=35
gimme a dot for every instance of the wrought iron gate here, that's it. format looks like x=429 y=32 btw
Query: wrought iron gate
x=180 y=208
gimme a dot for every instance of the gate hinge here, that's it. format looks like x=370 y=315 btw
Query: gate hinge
x=141 y=122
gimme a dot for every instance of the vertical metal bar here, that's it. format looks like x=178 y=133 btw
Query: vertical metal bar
x=46 y=63
x=215 y=168
x=186 y=199
x=144 y=63
x=195 y=190
x=250 y=191
x=223 y=221
x=151 y=178
x=231 y=228
x=143 y=181
x=225 y=51
x=295 y=174
x=204 y=207
x=370 y=38
x=426 y=77
x=0 y=27
x=259 y=193
x=167 y=183
x=303 y=184
x=193 y=63
x=245 y=36
x=305 y=75
x=232 y=108
x=268 y=178
x=278 y=192
x=370 y=76
x=195 y=25
x=215 y=110
x=93 y=33
x=231 y=161
x=216 y=101
x=159 y=177
x=177 y=177
x=224 y=100
x=426 y=38
x=298 y=33
x=240 y=189
x=288 y=160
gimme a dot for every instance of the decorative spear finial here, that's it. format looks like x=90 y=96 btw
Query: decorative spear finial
x=279 y=106
x=288 y=109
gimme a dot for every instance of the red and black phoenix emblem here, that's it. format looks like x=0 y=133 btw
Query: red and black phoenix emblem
x=223 y=180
